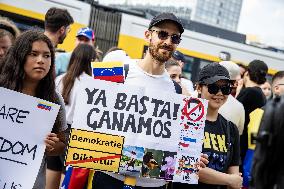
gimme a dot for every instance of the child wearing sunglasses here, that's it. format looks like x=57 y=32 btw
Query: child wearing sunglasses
x=221 y=137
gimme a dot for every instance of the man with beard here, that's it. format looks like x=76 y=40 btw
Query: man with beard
x=163 y=36
x=57 y=25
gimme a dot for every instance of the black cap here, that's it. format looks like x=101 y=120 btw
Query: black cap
x=212 y=73
x=178 y=56
x=166 y=16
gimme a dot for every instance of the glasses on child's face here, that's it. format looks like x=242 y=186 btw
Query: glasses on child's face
x=163 y=35
x=214 y=89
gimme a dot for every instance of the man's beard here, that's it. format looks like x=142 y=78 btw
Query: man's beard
x=161 y=57
x=61 y=38
x=1 y=60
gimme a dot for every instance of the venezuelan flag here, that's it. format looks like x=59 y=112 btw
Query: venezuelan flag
x=108 y=71
x=75 y=178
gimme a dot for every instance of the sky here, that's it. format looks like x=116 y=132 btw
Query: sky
x=262 y=18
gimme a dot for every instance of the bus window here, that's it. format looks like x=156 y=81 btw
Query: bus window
x=204 y=63
x=196 y=67
x=187 y=68
x=23 y=22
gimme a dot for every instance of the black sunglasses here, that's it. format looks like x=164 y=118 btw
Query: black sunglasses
x=163 y=35
x=214 y=89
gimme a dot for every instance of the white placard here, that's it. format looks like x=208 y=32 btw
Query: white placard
x=155 y=124
x=143 y=117
x=24 y=123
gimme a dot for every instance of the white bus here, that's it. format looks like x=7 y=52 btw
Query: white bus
x=125 y=29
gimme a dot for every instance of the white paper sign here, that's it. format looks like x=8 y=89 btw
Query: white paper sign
x=138 y=114
x=158 y=128
x=24 y=123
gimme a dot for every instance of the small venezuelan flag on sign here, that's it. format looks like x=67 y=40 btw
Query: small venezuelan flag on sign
x=109 y=71
x=44 y=106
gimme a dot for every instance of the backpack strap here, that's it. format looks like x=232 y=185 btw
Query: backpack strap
x=177 y=87
x=126 y=69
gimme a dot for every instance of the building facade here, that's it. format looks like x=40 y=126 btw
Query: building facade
x=181 y=12
x=220 y=13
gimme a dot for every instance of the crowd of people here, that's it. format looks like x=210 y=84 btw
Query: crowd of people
x=29 y=63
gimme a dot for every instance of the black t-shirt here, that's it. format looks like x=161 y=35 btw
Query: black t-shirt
x=252 y=98
x=216 y=145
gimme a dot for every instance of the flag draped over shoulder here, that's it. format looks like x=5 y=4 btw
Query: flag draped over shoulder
x=108 y=71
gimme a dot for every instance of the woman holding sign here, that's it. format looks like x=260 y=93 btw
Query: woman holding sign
x=79 y=69
x=29 y=69
x=221 y=137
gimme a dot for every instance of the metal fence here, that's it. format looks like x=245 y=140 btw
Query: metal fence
x=106 y=24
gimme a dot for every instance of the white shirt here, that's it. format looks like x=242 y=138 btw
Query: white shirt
x=234 y=111
x=70 y=108
x=138 y=77
x=187 y=84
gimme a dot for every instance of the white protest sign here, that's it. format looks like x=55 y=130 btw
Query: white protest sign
x=191 y=140
x=24 y=123
x=129 y=111
x=140 y=124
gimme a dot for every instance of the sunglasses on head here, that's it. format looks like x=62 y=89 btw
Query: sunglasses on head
x=214 y=89
x=163 y=35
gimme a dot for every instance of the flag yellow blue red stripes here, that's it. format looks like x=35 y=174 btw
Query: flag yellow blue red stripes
x=75 y=178
x=109 y=71
x=44 y=106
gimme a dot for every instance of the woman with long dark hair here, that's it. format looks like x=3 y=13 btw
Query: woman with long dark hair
x=78 y=69
x=29 y=69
